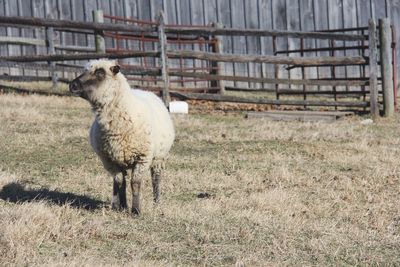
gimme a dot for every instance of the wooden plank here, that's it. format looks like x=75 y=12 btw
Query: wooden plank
x=185 y=12
x=11 y=8
x=293 y=24
x=105 y=6
x=350 y=21
x=363 y=12
x=266 y=45
x=170 y=12
x=145 y=13
x=89 y=6
x=268 y=80
x=307 y=24
x=75 y=48
x=279 y=22
x=385 y=37
x=306 y=116
x=21 y=41
x=257 y=32
x=224 y=17
x=335 y=19
x=235 y=99
x=82 y=56
x=388 y=7
x=73 y=24
x=321 y=23
x=373 y=69
x=197 y=18
x=131 y=11
x=78 y=14
x=171 y=17
x=314 y=61
x=239 y=42
x=23 y=78
x=185 y=18
x=65 y=14
x=66 y=37
x=299 y=92
x=253 y=43
x=26 y=10
x=116 y=10
x=156 y=7
x=308 y=112
x=378 y=8
x=210 y=11
x=53 y=12
x=196 y=12
x=40 y=33
x=291 y=117
x=37 y=66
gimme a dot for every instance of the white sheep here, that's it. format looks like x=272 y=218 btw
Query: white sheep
x=132 y=131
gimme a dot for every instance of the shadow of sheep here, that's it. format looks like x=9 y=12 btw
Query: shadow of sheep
x=17 y=193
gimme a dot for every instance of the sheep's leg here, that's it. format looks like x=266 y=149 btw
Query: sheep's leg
x=136 y=182
x=156 y=170
x=119 y=192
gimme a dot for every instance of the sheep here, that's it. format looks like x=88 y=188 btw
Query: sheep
x=132 y=132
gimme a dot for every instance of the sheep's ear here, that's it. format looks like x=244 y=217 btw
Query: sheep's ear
x=115 y=69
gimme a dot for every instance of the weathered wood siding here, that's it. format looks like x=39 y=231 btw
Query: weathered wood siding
x=267 y=14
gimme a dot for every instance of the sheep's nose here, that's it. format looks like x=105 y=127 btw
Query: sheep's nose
x=75 y=86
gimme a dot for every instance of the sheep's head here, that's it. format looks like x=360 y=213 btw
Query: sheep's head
x=93 y=83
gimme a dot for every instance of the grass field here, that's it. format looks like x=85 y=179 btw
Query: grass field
x=237 y=192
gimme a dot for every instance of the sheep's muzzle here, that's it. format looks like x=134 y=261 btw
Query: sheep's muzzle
x=76 y=87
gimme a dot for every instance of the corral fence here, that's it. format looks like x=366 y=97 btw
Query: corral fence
x=185 y=61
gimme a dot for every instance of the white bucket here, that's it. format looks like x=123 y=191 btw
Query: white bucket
x=178 y=107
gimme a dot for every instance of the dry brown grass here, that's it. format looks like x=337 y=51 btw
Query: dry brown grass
x=278 y=193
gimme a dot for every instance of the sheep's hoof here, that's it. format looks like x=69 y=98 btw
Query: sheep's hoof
x=135 y=212
x=117 y=206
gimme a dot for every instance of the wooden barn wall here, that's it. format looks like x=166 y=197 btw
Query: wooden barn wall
x=307 y=15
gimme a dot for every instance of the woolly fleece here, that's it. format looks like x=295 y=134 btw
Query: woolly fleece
x=131 y=126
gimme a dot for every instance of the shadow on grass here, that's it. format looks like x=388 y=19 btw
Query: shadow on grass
x=17 y=193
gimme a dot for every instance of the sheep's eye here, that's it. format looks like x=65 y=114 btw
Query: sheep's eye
x=100 y=74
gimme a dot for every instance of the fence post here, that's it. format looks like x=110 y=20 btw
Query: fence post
x=162 y=47
x=51 y=51
x=217 y=67
x=99 y=36
x=373 y=69
x=385 y=37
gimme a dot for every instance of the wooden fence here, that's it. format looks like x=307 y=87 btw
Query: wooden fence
x=299 y=15
x=164 y=55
